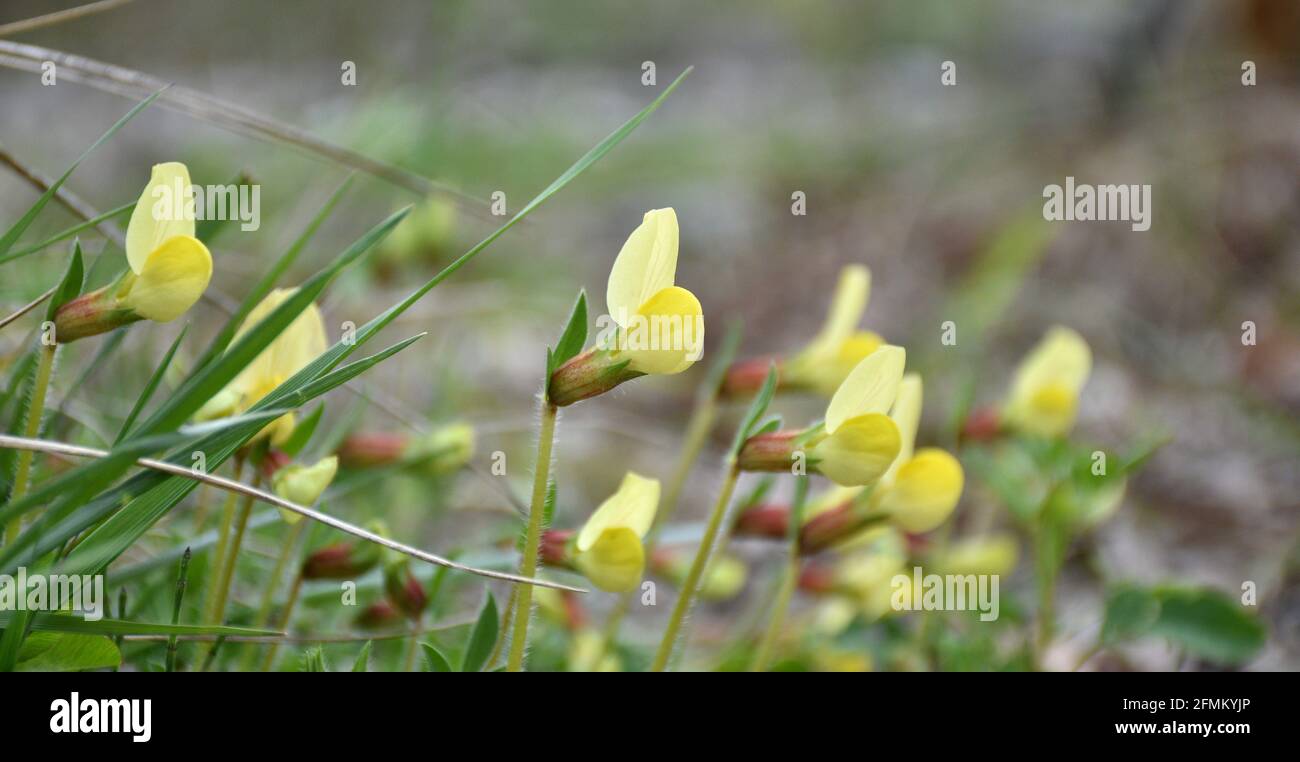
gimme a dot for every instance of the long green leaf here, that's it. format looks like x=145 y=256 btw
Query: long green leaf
x=272 y=276
x=149 y=388
x=51 y=622
x=68 y=233
x=7 y=241
x=482 y=638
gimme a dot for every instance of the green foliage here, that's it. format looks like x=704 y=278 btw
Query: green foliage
x=482 y=638
x=1205 y=623
x=573 y=339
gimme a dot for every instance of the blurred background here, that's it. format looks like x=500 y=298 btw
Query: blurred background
x=937 y=189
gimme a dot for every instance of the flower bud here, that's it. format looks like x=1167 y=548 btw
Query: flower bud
x=443 y=450
x=359 y=451
x=303 y=484
x=343 y=560
x=589 y=374
x=403 y=590
x=746 y=377
x=764 y=520
x=981 y=425
x=378 y=615
x=723 y=578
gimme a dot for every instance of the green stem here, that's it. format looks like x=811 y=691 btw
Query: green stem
x=272 y=584
x=528 y=564
x=296 y=588
x=687 y=593
x=218 y=558
x=181 y=578
x=413 y=646
x=697 y=433
x=789 y=578
x=44 y=371
x=785 y=591
x=232 y=559
x=500 y=645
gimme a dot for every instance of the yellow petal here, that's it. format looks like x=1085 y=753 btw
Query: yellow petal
x=165 y=210
x=847 y=306
x=823 y=372
x=907 y=414
x=303 y=484
x=994 y=554
x=831 y=498
x=615 y=560
x=667 y=335
x=224 y=404
x=588 y=652
x=859 y=452
x=870 y=388
x=646 y=265
x=925 y=490
x=632 y=507
x=171 y=280
x=296 y=346
x=1045 y=390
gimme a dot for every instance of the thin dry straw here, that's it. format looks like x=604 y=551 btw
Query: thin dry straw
x=62 y=448
x=58 y=17
x=131 y=83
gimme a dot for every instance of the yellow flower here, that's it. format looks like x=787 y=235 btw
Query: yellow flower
x=169 y=268
x=837 y=349
x=860 y=441
x=442 y=450
x=172 y=267
x=661 y=325
x=994 y=554
x=865 y=578
x=587 y=653
x=303 y=484
x=608 y=548
x=1044 y=398
x=296 y=346
x=919 y=491
x=723 y=579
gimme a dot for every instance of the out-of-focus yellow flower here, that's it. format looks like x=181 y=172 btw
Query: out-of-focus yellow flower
x=169 y=268
x=296 y=346
x=608 y=548
x=443 y=449
x=1044 y=397
x=919 y=491
x=865 y=577
x=831 y=659
x=303 y=484
x=662 y=324
x=723 y=579
x=427 y=230
x=838 y=348
x=861 y=441
x=994 y=554
x=587 y=653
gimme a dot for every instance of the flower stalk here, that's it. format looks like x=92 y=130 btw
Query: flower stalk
x=692 y=581
x=532 y=539
x=789 y=579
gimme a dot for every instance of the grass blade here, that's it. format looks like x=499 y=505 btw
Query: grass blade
x=7 y=241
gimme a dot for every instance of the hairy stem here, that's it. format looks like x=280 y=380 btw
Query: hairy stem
x=528 y=564
x=692 y=581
